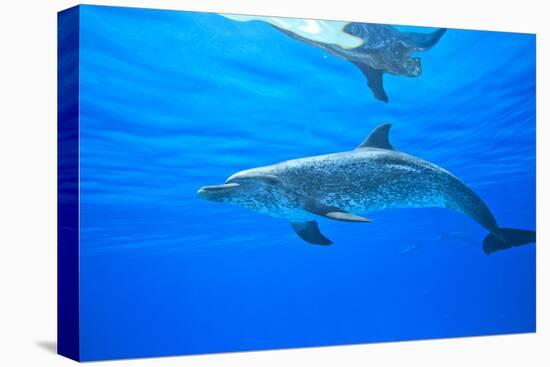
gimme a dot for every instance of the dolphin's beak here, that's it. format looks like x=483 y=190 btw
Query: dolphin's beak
x=216 y=191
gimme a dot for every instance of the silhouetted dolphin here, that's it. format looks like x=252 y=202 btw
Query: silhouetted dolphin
x=372 y=177
x=384 y=50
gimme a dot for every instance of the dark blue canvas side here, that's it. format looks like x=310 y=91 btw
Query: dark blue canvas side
x=68 y=325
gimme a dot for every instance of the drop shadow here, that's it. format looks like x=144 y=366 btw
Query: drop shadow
x=49 y=346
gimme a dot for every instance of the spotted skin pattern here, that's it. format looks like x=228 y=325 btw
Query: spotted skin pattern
x=341 y=186
x=359 y=181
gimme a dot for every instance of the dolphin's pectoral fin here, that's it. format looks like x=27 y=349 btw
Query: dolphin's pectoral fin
x=347 y=217
x=330 y=212
x=309 y=232
x=423 y=41
x=378 y=138
x=374 y=80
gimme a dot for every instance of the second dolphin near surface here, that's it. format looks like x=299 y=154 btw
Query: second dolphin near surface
x=374 y=48
x=341 y=186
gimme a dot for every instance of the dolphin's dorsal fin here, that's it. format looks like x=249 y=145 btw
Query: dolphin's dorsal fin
x=378 y=138
x=375 y=81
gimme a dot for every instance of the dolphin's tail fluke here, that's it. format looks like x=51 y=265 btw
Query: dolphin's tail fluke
x=504 y=238
x=423 y=41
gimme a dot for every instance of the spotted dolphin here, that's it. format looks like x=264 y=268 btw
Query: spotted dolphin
x=343 y=186
x=384 y=50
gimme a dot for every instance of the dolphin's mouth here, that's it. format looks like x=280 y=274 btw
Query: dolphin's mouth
x=216 y=191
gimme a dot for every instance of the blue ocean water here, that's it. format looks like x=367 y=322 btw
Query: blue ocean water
x=171 y=101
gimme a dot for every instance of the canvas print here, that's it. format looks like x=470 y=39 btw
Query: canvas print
x=235 y=182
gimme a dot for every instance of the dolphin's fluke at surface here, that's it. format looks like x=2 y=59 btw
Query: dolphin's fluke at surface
x=309 y=232
x=423 y=41
x=505 y=238
x=375 y=81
